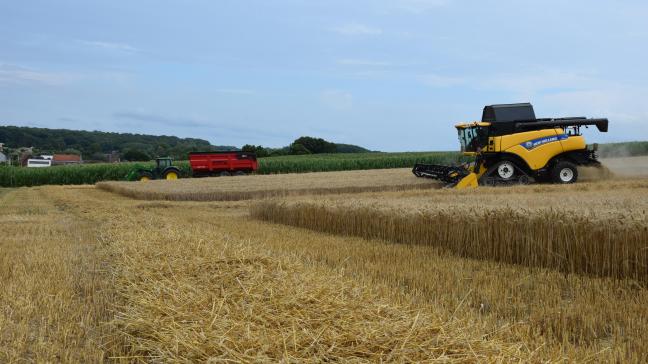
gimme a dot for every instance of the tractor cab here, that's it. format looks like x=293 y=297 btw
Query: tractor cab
x=164 y=169
x=162 y=163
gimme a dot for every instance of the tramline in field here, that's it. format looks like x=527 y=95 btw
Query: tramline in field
x=512 y=146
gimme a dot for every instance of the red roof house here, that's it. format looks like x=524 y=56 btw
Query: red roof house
x=66 y=159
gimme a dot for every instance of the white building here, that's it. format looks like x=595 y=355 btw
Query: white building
x=38 y=163
x=3 y=158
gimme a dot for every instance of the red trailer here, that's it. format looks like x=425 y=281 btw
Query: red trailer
x=222 y=163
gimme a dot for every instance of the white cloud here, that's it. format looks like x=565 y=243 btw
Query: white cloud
x=13 y=74
x=158 y=119
x=109 y=46
x=357 y=29
x=620 y=104
x=435 y=80
x=537 y=80
x=557 y=92
x=337 y=99
x=204 y=124
x=362 y=62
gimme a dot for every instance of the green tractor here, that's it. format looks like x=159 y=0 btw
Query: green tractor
x=164 y=169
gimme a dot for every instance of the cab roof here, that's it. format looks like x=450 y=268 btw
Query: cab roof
x=506 y=113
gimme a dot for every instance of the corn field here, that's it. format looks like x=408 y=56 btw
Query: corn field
x=73 y=174
x=353 y=161
x=93 y=173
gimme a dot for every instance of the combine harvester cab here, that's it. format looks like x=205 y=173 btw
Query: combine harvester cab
x=511 y=146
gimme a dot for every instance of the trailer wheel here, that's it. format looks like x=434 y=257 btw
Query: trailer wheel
x=224 y=174
x=564 y=172
x=240 y=173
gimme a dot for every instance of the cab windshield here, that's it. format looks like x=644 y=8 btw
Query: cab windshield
x=164 y=162
x=470 y=138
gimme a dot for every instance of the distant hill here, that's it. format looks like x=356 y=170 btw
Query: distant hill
x=94 y=144
x=350 y=148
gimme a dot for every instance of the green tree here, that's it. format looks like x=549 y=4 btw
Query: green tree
x=98 y=157
x=316 y=145
x=248 y=148
x=259 y=150
x=297 y=148
x=136 y=155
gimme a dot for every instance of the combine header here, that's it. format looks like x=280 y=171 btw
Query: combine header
x=512 y=146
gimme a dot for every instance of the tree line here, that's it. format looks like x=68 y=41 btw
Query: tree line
x=97 y=145
x=304 y=145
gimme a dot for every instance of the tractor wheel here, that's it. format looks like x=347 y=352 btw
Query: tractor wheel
x=240 y=173
x=564 y=172
x=145 y=176
x=171 y=175
x=224 y=174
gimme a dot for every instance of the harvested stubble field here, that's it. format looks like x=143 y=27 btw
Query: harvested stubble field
x=174 y=282
x=188 y=281
x=260 y=186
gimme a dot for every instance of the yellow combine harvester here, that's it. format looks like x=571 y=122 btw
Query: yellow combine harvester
x=511 y=146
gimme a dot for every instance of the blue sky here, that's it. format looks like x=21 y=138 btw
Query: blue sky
x=391 y=75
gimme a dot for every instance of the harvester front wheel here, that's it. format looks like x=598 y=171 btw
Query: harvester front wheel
x=505 y=170
x=564 y=172
x=224 y=174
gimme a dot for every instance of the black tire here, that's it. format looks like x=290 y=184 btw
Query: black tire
x=489 y=182
x=171 y=174
x=224 y=174
x=564 y=172
x=144 y=176
x=543 y=177
x=240 y=173
x=523 y=179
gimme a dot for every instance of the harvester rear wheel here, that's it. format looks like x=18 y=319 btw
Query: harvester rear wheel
x=240 y=173
x=564 y=172
x=224 y=174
